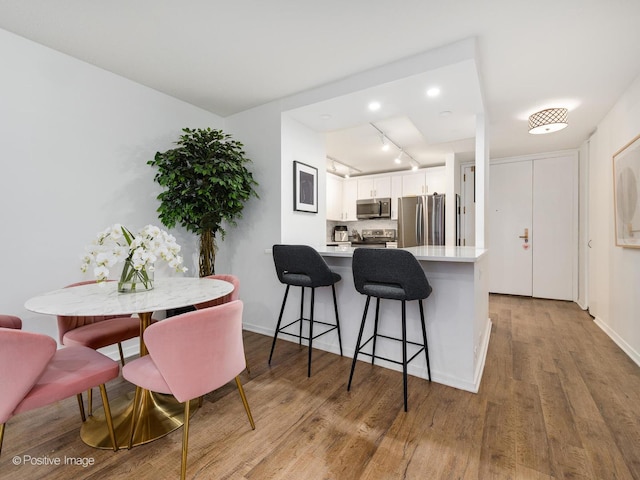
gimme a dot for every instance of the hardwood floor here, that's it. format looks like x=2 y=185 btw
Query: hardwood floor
x=558 y=400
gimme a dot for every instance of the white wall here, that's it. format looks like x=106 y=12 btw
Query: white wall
x=614 y=272
x=299 y=143
x=245 y=252
x=75 y=142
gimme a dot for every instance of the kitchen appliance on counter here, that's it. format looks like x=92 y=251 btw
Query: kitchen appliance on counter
x=421 y=220
x=340 y=233
x=373 y=208
x=375 y=238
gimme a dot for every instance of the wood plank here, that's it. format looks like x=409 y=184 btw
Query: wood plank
x=558 y=400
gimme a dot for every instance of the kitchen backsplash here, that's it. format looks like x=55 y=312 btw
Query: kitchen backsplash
x=360 y=225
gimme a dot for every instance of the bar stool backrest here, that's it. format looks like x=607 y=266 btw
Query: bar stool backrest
x=375 y=268
x=301 y=265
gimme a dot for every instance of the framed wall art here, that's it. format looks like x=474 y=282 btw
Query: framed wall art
x=305 y=188
x=626 y=175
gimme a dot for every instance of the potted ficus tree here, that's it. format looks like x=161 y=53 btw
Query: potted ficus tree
x=206 y=183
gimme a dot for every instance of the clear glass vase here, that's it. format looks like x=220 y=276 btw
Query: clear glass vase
x=133 y=280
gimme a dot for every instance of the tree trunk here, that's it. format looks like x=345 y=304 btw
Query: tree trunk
x=207 y=253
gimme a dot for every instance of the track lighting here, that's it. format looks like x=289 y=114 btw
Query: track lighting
x=385 y=143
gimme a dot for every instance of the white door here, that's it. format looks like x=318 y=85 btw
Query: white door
x=555 y=227
x=510 y=217
x=535 y=199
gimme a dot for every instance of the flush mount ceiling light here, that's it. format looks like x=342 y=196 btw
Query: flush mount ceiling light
x=548 y=121
x=374 y=106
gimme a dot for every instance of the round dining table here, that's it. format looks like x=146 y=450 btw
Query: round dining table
x=159 y=414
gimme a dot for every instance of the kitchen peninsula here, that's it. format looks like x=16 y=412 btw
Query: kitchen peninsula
x=458 y=325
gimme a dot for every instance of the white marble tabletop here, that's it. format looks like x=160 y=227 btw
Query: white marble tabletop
x=104 y=299
x=431 y=253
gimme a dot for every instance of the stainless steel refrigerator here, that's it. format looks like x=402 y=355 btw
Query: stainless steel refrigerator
x=421 y=220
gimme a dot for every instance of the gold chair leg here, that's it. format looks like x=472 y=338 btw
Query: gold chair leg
x=245 y=403
x=185 y=441
x=107 y=416
x=246 y=363
x=134 y=414
x=90 y=401
x=121 y=353
x=1 y=435
x=81 y=407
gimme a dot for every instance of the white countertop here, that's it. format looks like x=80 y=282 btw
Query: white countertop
x=427 y=252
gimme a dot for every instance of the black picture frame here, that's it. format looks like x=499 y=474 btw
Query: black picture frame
x=305 y=188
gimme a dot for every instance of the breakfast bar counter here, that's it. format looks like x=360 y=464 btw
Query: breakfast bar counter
x=457 y=313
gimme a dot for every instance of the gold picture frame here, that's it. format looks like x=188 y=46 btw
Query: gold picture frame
x=626 y=194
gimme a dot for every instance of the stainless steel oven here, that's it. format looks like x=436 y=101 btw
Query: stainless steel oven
x=373 y=208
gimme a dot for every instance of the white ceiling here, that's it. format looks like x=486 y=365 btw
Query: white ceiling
x=227 y=56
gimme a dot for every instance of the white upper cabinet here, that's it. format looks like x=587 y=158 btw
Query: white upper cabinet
x=349 y=199
x=425 y=182
x=436 y=179
x=343 y=194
x=334 y=197
x=396 y=192
x=374 y=187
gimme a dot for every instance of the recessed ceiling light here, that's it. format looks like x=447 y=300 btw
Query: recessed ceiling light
x=373 y=106
x=325 y=116
x=433 y=92
x=445 y=113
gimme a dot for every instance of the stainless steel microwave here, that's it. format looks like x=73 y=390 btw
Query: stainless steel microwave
x=373 y=208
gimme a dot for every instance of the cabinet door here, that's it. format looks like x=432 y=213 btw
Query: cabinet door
x=365 y=188
x=349 y=199
x=396 y=192
x=413 y=184
x=334 y=198
x=382 y=187
x=436 y=179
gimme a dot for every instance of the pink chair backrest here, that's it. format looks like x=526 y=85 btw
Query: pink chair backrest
x=10 y=321
x=23 y=358
x=232 y=279
x=66 y=323
x=198 y=351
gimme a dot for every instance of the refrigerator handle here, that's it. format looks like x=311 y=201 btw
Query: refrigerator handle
x=417 y=222
x=421 y=237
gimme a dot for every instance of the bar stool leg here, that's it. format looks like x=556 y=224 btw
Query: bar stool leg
x=313 y=298
x=335 y=307
x=404 y=352
x=424 y=337
x=375 y=331
x=301 y=315
x=275 y=335
x=355 y=355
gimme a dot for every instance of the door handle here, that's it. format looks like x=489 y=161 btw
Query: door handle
x=526 y=235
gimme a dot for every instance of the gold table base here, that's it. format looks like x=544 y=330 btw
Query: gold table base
x=158 y=415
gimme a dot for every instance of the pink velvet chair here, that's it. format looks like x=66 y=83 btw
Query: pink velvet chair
x=230 y=297
x=34 y=374
x=9 y=321
x=190 y=355
x=97 y=331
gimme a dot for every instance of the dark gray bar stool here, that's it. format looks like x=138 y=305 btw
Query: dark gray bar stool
x=395 y=275
x=302 y=266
